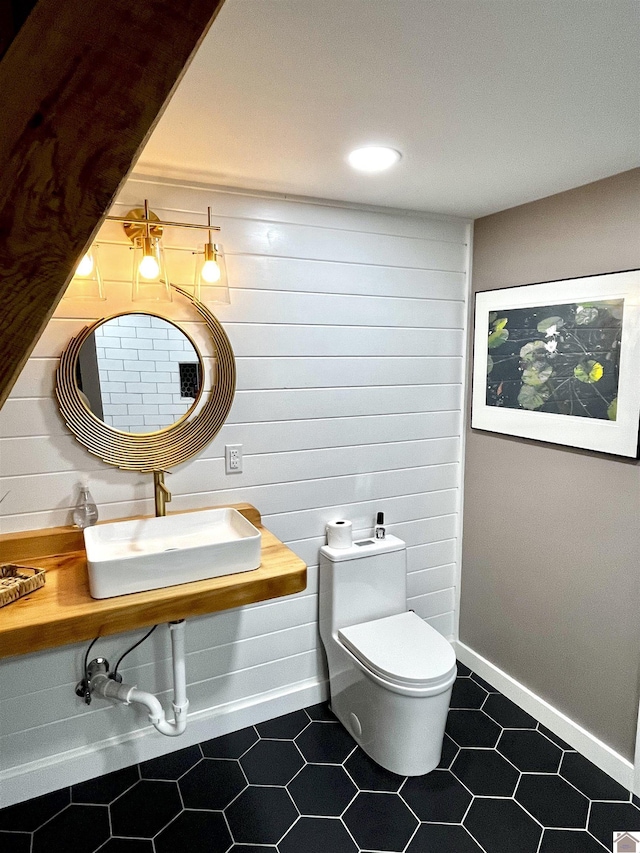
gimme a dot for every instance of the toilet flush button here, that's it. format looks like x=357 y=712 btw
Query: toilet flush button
x=356 y=728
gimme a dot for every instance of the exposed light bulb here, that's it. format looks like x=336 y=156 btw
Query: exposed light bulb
x=85 y=267
x=210 y=272
x=373 y=158
x=86 y=282
x=149 y=267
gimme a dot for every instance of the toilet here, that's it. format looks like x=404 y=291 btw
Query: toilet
x=390 y=673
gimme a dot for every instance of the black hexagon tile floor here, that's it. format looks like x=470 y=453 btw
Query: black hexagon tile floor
x=299 y=784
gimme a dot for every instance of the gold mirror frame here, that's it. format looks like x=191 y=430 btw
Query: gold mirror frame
x=149 y=451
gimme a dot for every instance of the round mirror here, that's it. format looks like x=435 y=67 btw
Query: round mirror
x=139 y=373
x=182 y=418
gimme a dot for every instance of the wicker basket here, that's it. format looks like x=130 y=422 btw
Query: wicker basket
x=16 y=581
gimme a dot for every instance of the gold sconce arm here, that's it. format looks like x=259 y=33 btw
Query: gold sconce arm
x=135 y=219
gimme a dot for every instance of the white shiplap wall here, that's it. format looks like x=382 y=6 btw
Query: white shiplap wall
x=347 y=325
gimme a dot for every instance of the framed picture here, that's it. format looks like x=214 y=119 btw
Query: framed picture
x=560 y=362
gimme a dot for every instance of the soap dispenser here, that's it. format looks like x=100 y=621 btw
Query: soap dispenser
x=86 y=512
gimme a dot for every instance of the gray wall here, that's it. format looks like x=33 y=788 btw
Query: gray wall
x=551 y=537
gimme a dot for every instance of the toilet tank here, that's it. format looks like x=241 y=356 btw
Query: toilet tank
x=366 y=581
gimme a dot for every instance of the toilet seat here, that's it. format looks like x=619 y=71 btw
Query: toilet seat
x=403 y=650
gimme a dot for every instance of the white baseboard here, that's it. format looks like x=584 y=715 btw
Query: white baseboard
x=595 y=750
x=57 y=771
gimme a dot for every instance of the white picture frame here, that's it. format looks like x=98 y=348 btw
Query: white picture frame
x=602 y=347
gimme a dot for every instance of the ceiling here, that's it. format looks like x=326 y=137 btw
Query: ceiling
x=492 y=103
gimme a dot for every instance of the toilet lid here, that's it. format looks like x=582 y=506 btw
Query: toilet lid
x=401 y=648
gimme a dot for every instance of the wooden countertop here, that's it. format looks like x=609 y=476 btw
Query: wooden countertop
x=63 y=611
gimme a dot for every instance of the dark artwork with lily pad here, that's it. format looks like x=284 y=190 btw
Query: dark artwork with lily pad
x=562 y=359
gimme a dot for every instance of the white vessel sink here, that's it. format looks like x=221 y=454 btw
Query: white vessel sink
x=150 y=553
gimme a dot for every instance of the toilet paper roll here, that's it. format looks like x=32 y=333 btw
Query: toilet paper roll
x=339 y=534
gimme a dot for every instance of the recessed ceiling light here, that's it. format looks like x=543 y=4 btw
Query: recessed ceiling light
x=373 y=158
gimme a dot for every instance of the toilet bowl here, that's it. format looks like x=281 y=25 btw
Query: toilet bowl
x=390 y=673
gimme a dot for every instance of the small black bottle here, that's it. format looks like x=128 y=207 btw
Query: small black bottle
x=380 y=531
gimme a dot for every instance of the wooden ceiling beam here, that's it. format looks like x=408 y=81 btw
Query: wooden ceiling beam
x=13 y=14
x=82 y=86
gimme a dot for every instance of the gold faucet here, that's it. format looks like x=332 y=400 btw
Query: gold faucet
x=161 y=492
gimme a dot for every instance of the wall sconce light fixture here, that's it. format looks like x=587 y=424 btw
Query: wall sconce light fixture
x=150 y=278
x=210 y=281
x=87 y=280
